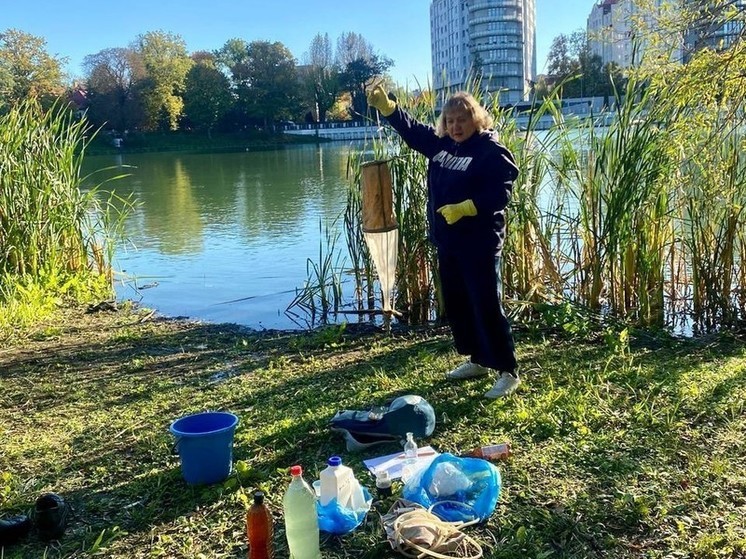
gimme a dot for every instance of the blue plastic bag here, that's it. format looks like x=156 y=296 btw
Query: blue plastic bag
x=456 y=489
x=336 y=519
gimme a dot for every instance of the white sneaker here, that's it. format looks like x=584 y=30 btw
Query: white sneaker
x=504 y=385
x=467 y=370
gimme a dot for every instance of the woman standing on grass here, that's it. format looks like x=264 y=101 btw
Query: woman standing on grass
x=469 y=180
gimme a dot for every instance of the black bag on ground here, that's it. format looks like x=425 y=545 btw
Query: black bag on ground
x=388 y=423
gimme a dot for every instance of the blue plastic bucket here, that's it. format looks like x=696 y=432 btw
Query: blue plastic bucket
x=204 y=442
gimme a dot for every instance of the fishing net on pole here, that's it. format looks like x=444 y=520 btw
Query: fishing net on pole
x=380 y=229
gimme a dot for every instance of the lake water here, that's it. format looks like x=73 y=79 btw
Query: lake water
x=226 y=237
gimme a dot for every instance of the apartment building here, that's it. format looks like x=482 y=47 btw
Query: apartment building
x=617 y=30
x=715 y=28
x=492 y=39
x=609 y=32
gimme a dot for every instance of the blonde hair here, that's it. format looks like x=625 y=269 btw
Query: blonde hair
x=463 y=101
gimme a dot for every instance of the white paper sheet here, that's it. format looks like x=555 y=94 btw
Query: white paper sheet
x=393 y=463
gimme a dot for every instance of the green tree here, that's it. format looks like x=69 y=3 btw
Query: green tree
x=560 y=61
x=358 y=74
x=233 y=58
x=477 y=67
x=320 y=76
x=581 y=73
x=207 y=95
x=27 y=70
x=273 y=82
x=167 y=64
x=588 y=66
x=360 y=63
x=6 y=88
x=113 y=80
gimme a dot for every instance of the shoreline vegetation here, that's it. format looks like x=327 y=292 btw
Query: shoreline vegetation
x=194 y=142
x=623 y=447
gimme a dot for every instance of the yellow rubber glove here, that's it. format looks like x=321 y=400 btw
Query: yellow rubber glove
x=454 y=212
x=378 y=98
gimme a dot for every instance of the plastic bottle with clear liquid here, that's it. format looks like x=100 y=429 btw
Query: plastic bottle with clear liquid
x=259 y=529
x=410 y=449
x=301 y=521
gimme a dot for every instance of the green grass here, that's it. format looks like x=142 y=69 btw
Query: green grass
x=629 y=447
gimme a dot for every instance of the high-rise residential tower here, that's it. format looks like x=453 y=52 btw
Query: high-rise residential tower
x=494 y=40
x=616 y=30
x=609 y=30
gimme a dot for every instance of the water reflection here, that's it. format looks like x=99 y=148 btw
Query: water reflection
x=215 y=228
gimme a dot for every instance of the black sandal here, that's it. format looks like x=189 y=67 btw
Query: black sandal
x=50 y=516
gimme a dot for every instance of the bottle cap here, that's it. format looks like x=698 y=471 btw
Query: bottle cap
x=296 y=470
x=334 y=461
x=258 y=497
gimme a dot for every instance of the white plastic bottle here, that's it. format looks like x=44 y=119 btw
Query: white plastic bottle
x=336 y=482
x=357 y=497
x=301 y=522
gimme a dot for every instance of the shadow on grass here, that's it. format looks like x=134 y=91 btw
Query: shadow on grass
x=151 y=500
x=114 y=466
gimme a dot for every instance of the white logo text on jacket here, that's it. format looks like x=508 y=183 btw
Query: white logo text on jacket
x=453 y=162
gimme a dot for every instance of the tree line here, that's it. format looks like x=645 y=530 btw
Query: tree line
x=156 y=84
x=572 y=67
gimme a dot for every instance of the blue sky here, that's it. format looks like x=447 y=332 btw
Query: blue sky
x=402 y=33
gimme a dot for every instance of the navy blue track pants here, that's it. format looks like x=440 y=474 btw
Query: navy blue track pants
x=472 y=293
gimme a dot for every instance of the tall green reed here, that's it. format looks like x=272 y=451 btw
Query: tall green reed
x=712 y=225
x=51 y=230
x=704 y=104
x=532 y=265
x=613 y=178
x=322 y=292
x=415 y=278
x=638 y=216
x=361 y=263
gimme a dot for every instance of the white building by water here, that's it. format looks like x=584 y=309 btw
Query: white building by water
x=609 y=31
x=494 y=39
x=715 y=29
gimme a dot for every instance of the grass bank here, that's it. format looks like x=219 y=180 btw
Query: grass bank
x=624 y=447
x=146 y=142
